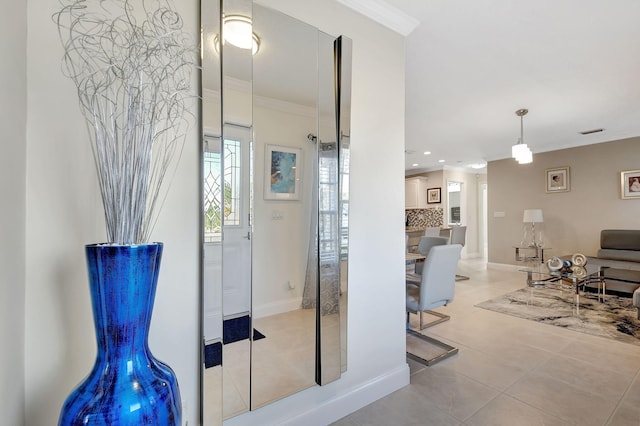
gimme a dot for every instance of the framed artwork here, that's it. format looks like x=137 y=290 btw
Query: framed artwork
x=283 y=171
x=630 y=184
x=558 y=179
x=433 y=195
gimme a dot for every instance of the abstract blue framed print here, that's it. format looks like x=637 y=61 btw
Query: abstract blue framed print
x=283 y=169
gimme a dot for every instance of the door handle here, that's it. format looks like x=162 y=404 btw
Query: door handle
x=248 y=236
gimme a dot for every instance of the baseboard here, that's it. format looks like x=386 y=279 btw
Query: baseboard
x=320 y=406
x=273 y=308
x=351 y=400
x=474 y=255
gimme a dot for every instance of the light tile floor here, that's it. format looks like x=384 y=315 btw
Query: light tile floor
x=512 y=371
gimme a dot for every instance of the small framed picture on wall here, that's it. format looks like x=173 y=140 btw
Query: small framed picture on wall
x=433 y=195
x=283 y=169
x=558 y=179
x=630 y=184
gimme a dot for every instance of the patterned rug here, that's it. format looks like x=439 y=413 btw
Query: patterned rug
x=616 y=318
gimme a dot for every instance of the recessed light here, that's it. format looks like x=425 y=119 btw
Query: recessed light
x=427 y=153
x=440 y=161
x=415 y=165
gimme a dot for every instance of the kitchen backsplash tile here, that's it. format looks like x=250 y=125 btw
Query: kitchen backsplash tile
x=424 y=218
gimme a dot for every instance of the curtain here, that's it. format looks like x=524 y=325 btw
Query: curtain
x=323 y=259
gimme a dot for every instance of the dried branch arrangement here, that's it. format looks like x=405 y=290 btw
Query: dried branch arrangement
x=132 y=69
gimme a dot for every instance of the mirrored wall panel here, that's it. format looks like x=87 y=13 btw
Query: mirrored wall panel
x=275 y=207
x=285 y=108
x=211 y=182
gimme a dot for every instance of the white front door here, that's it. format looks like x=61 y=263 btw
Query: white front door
x=226 y=271
x=236 y=254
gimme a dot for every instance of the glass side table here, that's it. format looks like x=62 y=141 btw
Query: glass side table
x=530 y=254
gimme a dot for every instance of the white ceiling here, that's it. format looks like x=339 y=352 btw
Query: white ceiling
x=286 y=65
x=575 y=64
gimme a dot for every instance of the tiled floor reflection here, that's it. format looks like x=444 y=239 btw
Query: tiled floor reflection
x=280 y=364
x=284 y=361
x=265 y=370
x=512 y=371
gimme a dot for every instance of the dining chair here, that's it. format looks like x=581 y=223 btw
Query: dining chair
x=424 y=246
x=435 y=288
x=458 y=235
x=433 y=231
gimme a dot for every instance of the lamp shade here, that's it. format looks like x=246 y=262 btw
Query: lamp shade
x=518 y=150
x=525 y=158
x=532 y=215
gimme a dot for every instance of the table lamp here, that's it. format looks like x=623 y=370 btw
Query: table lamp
x=530 y=218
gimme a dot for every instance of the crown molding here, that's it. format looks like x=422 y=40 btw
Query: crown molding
x=209 y=94
x=284 y=106
x=262 y=101
x=385 y=14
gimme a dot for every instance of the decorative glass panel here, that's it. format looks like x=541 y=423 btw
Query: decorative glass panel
x=213 y=208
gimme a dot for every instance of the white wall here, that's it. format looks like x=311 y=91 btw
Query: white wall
x=60 y=347
x=64 y=213
x=13 y=87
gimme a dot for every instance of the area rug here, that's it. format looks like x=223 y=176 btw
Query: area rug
x=616 y=318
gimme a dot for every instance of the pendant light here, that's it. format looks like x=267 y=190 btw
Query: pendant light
x=520 y=151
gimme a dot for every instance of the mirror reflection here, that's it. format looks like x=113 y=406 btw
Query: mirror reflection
x=275 y=208
x=211 y=202
x=454 y=202
x=285 y=88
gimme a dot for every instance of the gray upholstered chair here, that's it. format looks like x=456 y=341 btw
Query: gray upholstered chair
x=437 y=283
x=458 y=235
x=425 y=245
x=433 y=231
x=435 y=288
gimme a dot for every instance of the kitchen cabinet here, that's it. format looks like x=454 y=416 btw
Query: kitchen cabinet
x=415 y=193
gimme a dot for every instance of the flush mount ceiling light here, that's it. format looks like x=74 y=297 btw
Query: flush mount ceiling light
x=520 y=151
x=478 y=165
x=238 y=31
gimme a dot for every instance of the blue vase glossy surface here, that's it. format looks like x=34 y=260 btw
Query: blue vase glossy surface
x=127 y=385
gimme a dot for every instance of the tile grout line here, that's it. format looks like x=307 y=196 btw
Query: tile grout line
x=624 y=394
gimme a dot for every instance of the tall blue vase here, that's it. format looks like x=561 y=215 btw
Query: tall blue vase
x=127 y=385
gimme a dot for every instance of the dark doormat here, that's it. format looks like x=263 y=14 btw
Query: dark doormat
x=233 y=330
